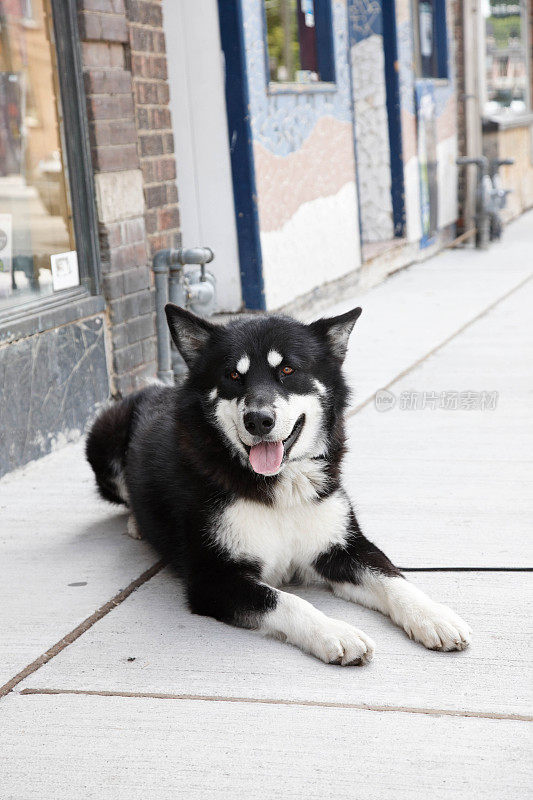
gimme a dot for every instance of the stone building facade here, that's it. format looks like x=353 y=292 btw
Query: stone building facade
x=63 y=352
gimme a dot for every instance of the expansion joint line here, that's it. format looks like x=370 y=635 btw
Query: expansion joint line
x=440 y=712
x=82 y=627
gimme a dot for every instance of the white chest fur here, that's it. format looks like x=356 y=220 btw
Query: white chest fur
x=283 y=538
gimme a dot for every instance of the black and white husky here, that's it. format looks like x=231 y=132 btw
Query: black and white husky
x=235 y=479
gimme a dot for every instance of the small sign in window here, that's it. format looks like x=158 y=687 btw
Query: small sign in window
x=65 y=273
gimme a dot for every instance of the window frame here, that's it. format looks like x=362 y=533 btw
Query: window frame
x=28 y=316
x=440 y=32
x=325 y=55
x=527 y=44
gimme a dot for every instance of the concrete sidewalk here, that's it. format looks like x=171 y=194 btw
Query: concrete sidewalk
x=113 y=690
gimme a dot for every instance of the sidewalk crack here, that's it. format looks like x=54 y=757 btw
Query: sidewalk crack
x=351 y=412
x=81 y=628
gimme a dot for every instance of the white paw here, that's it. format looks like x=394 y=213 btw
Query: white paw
x=132 y=528
x=437 y=627
x=336 y=642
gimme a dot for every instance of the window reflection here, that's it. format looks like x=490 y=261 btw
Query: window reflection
x=291 y=38
x=34 y=214
x=506 y=57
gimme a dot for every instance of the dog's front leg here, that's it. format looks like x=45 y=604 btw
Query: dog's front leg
x=361 y=573
x=237 y=598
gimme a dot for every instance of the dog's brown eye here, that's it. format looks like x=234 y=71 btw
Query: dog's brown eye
x=287 y=371
x=234 y=376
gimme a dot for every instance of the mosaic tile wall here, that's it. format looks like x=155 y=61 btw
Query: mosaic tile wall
x=304 y=168
x=371 y=121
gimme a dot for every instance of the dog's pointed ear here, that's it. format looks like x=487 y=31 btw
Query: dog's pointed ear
x=189 y=333
x=337 y=330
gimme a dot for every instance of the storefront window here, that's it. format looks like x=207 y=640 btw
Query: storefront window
x=299 y=41
x=37 y=248
x=505 y=57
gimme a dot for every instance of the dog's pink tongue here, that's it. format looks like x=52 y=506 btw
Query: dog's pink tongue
x=266 y=457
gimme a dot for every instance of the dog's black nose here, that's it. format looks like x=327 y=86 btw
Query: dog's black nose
x=258 y=422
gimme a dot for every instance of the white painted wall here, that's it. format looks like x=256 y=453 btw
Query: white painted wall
x=412 y=200
x=198 y=106
x=447 y=181
x=320 y=242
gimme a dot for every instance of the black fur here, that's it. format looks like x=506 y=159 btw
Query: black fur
x=180 y=473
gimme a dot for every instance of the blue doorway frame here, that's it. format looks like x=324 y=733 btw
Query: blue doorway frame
x=367 y=19
x=392 y=82
x=241 y=153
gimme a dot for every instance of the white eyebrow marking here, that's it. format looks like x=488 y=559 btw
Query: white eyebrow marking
x=243 y=364
x=320 y=386
x=274 y=358
x=213 y=394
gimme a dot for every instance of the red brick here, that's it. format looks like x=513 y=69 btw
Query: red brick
x=104 y=106
x=106 y=6
x=155 y=196
x=110 y=81
x=168 y=218
x=160 y=118
x=104 y=132
x=159 y=169
x=146 y=13
x=168 y=143
x=128 y=256
x=163 y=94
x=151 y=221
x=161 y=241
x=146 y=92
x=158 y=42
x=106 y=27
x=151 y=144
x=148 y=66
x=141 y=39
x=142 y=115
x=172 y=193
x=102 y=54
x=166 y=169
x=115 y=157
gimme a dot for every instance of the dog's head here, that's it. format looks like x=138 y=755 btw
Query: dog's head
x=269 y=384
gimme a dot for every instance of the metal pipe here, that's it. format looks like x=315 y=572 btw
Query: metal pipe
x=180 y=255
x=169 y=279
x=164 y=364
x=178 y=297
x=194 y=255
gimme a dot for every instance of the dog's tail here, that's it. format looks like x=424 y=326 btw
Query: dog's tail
x=107 y=446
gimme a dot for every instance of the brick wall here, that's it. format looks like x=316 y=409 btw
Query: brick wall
x=124 y=64
x=152 y=118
